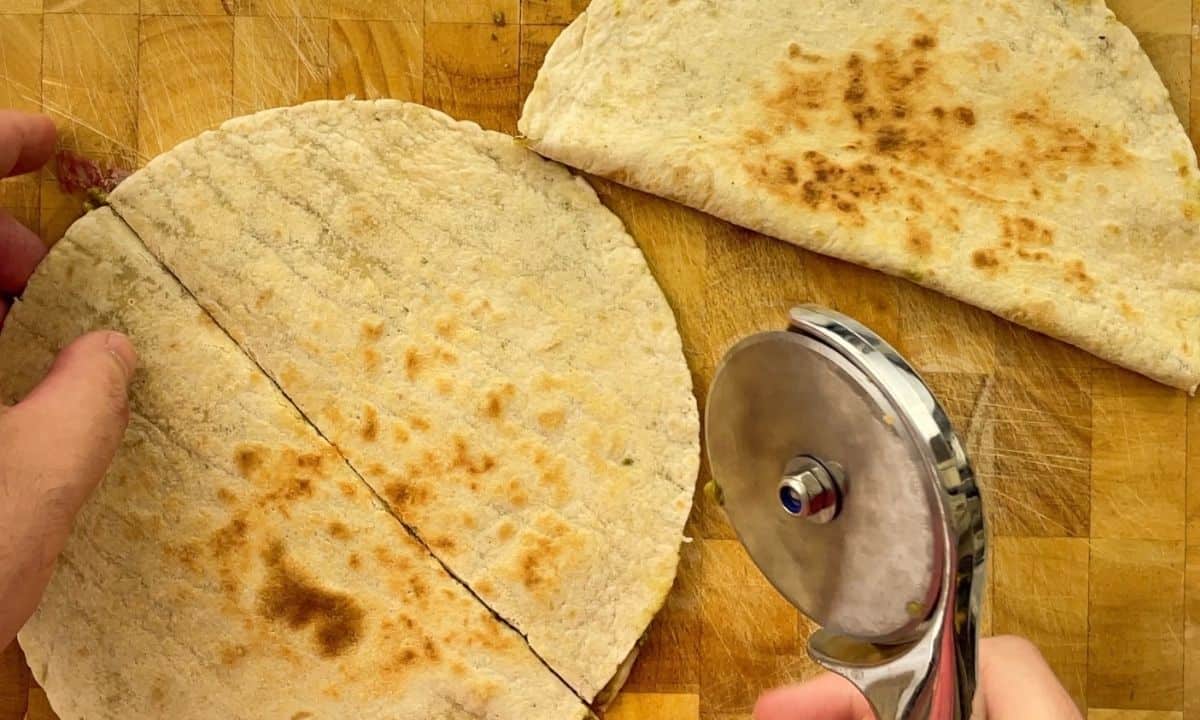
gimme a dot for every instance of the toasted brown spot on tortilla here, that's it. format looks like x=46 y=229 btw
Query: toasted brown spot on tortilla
x=537 y=559
x=248 y=460
x=291 y=597
x=408 y=656
x=418 y=587
x=412 y=363
x=406 y=494
x=418 y=423
x=985 y=259
x=400 y=434
x=1025 y=231
x=516 y=494
x=920 y=241
x=372 y=331
x=354 y=561
x=430 y=650
x=263 y=298
x=497 y=399
x=463 y=459
x=552 y=419
x=505 y=530
x=485 y=587
x=897 y=103
x=444 y=385
x=1076 y=274
x=232 y=654
x=348 y=489
x=1035 y=255
x=302 y=715
x=532 y=570
x=370 y=424
x=446 y=327
x=443 y=542
x=309 y=461
x=339 y=530
x=229 y=538
x=924 y=42
x=226 y=496
x=370 y=359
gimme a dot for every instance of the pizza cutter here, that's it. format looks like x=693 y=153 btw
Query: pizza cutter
x=846 y=483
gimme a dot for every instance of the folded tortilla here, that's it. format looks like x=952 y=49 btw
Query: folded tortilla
x=1020 y=155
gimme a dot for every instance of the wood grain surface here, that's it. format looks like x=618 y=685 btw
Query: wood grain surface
x=1092 y=474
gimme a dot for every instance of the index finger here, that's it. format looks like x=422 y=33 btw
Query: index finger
x=26 y=142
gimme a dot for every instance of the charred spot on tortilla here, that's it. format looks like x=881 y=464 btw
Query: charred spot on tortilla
x=290 y=597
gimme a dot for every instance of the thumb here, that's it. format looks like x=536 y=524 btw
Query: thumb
x=55 y=446
x=67 y=430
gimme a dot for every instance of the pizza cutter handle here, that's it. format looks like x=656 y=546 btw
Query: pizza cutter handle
x=931 y=678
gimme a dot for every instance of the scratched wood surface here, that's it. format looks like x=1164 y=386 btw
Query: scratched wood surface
x=1093 y=474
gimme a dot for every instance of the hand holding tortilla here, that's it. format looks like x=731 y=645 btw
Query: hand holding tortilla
x=56 y=444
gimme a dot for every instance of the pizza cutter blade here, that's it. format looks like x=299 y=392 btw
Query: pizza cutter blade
x=846 y=483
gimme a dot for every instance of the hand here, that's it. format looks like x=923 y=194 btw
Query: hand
x=1015 y=683
x=57 y=443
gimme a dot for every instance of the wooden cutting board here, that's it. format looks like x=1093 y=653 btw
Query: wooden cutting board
x=1093 y=483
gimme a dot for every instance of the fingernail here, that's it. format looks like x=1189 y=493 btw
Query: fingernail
x=123 y=351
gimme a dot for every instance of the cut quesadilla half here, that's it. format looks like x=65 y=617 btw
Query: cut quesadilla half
x=231 y=565
x=472 y=330
x=1020 y=155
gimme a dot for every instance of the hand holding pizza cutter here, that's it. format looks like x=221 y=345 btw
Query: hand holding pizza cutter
x=843 y=478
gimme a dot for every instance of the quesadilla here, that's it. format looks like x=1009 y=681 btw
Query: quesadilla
x=474 y=333
x=1020 y=155
x=231 y=565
